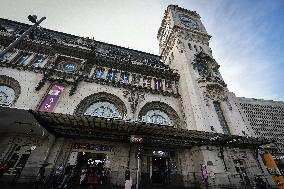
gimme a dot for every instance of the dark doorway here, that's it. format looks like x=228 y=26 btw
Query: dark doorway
x=94 y=166
x=160 y=170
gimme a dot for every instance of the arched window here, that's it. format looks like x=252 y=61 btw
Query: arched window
x=157 y=117
x=102 y=109
x=7 y=95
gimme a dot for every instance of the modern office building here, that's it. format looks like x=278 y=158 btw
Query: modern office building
x=266 y=118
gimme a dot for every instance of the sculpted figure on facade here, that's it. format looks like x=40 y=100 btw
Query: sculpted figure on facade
x=134 y=97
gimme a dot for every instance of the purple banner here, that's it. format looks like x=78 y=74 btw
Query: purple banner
x=51 y=99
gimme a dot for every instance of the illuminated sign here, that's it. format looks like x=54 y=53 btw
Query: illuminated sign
x=160 y=153
x=136 y=138
x=51 y=99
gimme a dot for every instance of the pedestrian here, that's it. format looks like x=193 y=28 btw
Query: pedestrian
x=59 y=170
x=57 y=175
x=40 y=176
x=66 y=176
x=83 y=177
x=128 y=179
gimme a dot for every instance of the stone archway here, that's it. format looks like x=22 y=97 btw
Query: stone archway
x=102 y=96
x=164 y=108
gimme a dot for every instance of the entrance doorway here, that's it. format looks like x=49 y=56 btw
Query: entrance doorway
x=160 y=171
x=94 y=164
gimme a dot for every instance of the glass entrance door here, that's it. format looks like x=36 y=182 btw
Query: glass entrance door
x=160 y=171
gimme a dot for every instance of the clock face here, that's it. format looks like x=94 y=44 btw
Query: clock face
x=69 y=67
x=187 y=21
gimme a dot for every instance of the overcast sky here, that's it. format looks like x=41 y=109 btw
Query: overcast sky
x=247 y=36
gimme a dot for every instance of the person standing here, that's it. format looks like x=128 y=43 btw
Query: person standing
x=128 y=180
x=67 y=174
x=40 y=176
x=83 y=177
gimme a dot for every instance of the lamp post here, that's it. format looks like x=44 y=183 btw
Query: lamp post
x=12 y=45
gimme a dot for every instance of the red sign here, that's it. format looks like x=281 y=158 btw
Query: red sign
x=51 y=99
x=136 y=138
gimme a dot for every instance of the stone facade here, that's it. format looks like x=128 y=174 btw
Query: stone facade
x=182 y=89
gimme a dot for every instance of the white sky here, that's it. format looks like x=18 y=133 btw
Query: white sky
x=237 y=44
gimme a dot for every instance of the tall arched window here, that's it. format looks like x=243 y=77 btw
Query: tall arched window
x=158 y=117
x=7 y=95
x=102 y=109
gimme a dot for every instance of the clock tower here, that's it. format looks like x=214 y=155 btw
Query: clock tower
x=205 y=100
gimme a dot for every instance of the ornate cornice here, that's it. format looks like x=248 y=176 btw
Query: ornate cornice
x=58 y=46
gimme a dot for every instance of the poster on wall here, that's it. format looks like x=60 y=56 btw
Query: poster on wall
x=51 y=99
x=73 y=158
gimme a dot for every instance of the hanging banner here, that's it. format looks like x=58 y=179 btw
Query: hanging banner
x=51 y=99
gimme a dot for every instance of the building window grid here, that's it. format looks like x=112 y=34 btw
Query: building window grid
x=265 y=120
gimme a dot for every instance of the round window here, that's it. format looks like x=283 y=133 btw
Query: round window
x=69 y=67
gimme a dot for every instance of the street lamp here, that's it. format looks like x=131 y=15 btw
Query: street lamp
x=33 y=19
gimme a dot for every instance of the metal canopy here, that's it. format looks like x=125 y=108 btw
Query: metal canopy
x=65 y=125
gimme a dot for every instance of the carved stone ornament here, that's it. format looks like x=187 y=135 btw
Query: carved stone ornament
x=134 y=97
x=210 y=80
x=207 y=68
x=215 y=92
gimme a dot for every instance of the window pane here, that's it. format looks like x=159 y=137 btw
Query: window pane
x=6 y=57
x=158 y=117
x=99 y=73
x=102 y=109
x=39 y=62
x=124 y=77
x=22 y=59
x=158 y=84
x=111 y=75
x=168 y=86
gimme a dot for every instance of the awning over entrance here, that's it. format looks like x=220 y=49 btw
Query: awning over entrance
x=65 y=125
